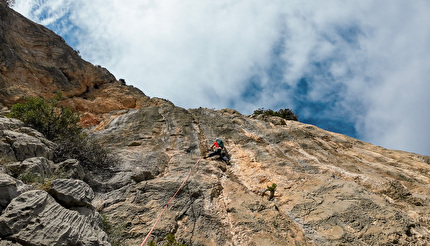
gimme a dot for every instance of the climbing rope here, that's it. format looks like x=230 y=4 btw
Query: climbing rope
x=167 y=204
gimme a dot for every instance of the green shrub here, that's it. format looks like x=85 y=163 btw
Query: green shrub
x=272 y=190
x=61 y=125
x=272 y=187
x=30 y=178
x=283 y=113
x=48 y=117
x=90 y=154
x=113 y=231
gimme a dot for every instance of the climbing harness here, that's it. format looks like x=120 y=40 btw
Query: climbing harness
x=167 y=204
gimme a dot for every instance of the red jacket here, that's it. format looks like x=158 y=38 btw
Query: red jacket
x=215 y=144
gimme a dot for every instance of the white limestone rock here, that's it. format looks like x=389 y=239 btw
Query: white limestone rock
x=35 y=218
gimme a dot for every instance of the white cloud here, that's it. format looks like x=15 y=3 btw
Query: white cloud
x=398 y=58
x=203 y=53
x=186 y=51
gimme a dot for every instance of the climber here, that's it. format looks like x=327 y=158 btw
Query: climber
x=219 y=149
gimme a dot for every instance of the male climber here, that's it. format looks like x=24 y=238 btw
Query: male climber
x=219 y=149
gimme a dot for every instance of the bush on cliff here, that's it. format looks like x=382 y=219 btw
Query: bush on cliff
x=61 y=125
x=283 y=113
x=54 y=121
x=170 y=241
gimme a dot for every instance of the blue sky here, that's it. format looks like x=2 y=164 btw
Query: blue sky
x=360 y=68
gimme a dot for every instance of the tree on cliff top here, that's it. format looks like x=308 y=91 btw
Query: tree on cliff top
x=283 y=113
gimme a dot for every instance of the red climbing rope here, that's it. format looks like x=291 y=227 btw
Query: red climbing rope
x=167 y=204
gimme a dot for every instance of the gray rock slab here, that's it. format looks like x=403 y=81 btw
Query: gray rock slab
x=70 y=168
x=72 y=192
x=39 y=166
x=8 y=189
x=8 y=243
x=27 y=146
x=35 y=218
x=9 y=123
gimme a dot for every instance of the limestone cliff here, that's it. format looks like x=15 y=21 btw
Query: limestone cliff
x=36 y=62
x=331 y=189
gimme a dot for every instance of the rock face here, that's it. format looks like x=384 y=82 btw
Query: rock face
x=70 y=168
x=331 y=189
x=35 y=218
x=36 y=62
x=30 y=216
x=72 y=192
x=22 y=143
x=8 y=190
x=38 y=166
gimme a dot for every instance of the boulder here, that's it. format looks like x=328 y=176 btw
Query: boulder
x=6 y=153
x=8 y=243
x=70 y=168
x=38 y=166
x=9 y=123
x=18 y=142
x=71 y=192
x=27 y=146
x=34 y=133
x=8 y=190
x=35 y=218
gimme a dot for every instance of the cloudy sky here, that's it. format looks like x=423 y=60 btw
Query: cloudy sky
x=361 y=68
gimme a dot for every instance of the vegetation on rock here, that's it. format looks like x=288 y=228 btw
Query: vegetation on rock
x=54 y=121
x=283 y=113
x=272 y=190
x=61 y=125
x=171 y=241
x=113 y=231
